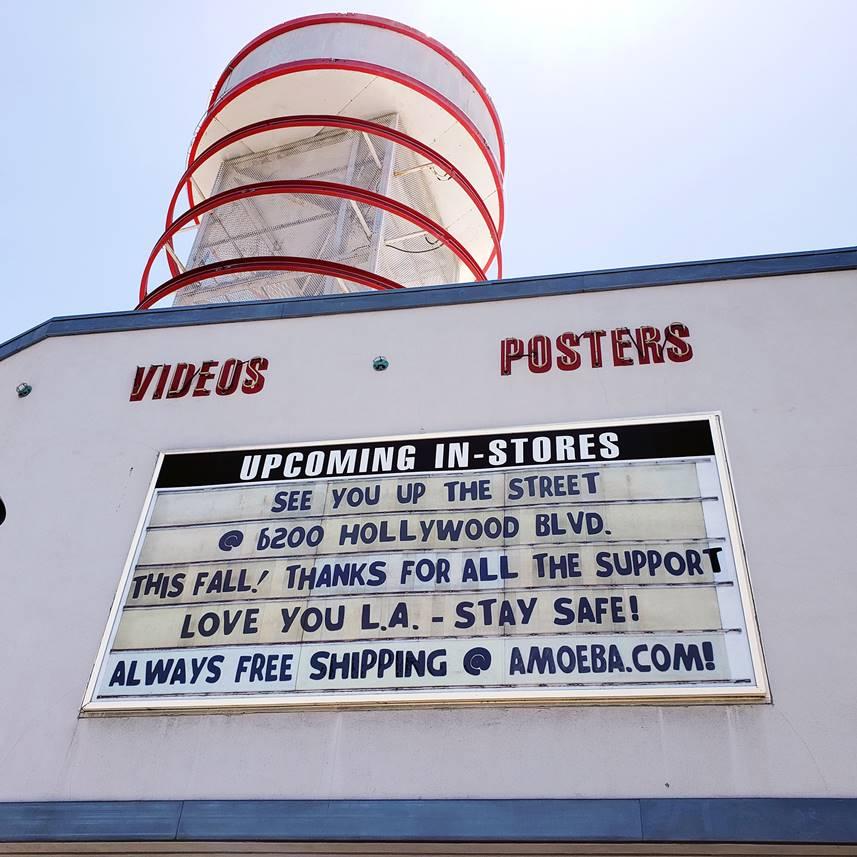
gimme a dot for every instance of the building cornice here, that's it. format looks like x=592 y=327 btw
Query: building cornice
x=679 y=273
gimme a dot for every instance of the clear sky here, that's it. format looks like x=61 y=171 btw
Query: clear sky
x=637 y=132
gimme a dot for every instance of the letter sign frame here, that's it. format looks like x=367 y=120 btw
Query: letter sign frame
x=682 y=456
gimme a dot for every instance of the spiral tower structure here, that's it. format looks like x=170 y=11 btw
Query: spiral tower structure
x=338 y=153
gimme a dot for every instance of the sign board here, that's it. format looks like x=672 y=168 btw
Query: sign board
x=563 y=563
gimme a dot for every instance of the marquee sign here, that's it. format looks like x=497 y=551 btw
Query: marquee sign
x=565 y=563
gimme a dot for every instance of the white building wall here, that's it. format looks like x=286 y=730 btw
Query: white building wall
x=774 y=355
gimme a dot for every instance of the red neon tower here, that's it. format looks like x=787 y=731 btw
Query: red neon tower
x=339 y=152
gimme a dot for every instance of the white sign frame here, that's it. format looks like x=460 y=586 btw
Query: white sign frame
x=399 y=698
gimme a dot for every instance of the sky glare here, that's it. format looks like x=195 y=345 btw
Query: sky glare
x=636 y=132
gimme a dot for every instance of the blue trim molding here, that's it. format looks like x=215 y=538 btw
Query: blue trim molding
x=90 y=821
x=831 y=821
x=783 y=264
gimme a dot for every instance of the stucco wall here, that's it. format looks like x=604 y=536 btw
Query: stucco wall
x=774 y=355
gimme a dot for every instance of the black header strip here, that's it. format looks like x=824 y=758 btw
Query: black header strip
x=447 y=453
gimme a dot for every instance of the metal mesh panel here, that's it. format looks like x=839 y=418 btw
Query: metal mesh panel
x=308 y=224
x=423 y=186
x=329 y=228
x=266 y=285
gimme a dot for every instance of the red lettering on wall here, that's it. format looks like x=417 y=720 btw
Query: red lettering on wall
x=620 y=339
x=142 y=379
x=162 y=381
x=204 y=376
x=539 y=357
x=182 y=379
x=566 y=345
x=648 y=341
x=510 y=350
x=594 y=337
x=255 y=379
x=175 y=382
x=229 y=377
x=640 y=346
x=677 y=349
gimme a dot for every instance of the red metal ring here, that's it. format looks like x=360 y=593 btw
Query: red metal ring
x=384 y=24
x=350 y=124
x=268 y=263
x=366 y=68
x=319 y=188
